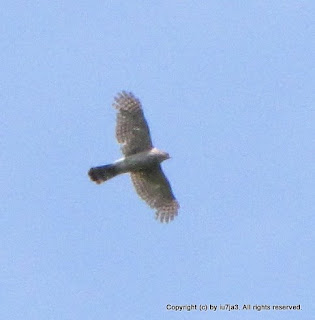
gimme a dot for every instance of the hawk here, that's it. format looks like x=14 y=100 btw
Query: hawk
x=141 y=159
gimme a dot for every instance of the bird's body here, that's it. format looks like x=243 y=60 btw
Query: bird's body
x=144 y=160
x=140 y=159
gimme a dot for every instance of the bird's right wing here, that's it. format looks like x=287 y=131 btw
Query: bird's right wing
x=132 y=130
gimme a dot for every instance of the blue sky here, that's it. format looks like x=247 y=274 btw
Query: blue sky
x=228 y=90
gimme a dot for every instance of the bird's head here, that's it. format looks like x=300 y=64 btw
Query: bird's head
x=162 y=155
x=165 y=155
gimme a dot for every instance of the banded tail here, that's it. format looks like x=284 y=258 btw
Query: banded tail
x=103 y=173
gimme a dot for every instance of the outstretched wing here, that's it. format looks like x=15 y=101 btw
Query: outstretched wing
x=153 y=187
x=132 y=130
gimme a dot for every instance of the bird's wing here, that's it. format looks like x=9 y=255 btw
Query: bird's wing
x=132 y=130
x=153 y=187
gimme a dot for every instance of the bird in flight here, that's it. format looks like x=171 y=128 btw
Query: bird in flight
x=141 y=159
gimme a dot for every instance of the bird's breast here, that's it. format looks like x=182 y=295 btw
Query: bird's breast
x=137 y=161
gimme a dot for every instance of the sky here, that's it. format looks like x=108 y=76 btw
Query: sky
x=227 y=88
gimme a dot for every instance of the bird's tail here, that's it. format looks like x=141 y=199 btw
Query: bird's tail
x=103 y=173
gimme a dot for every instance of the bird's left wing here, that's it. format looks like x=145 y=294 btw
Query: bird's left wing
x=153 y=187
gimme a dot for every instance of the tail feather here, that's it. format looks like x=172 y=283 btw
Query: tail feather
x=103 y=173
